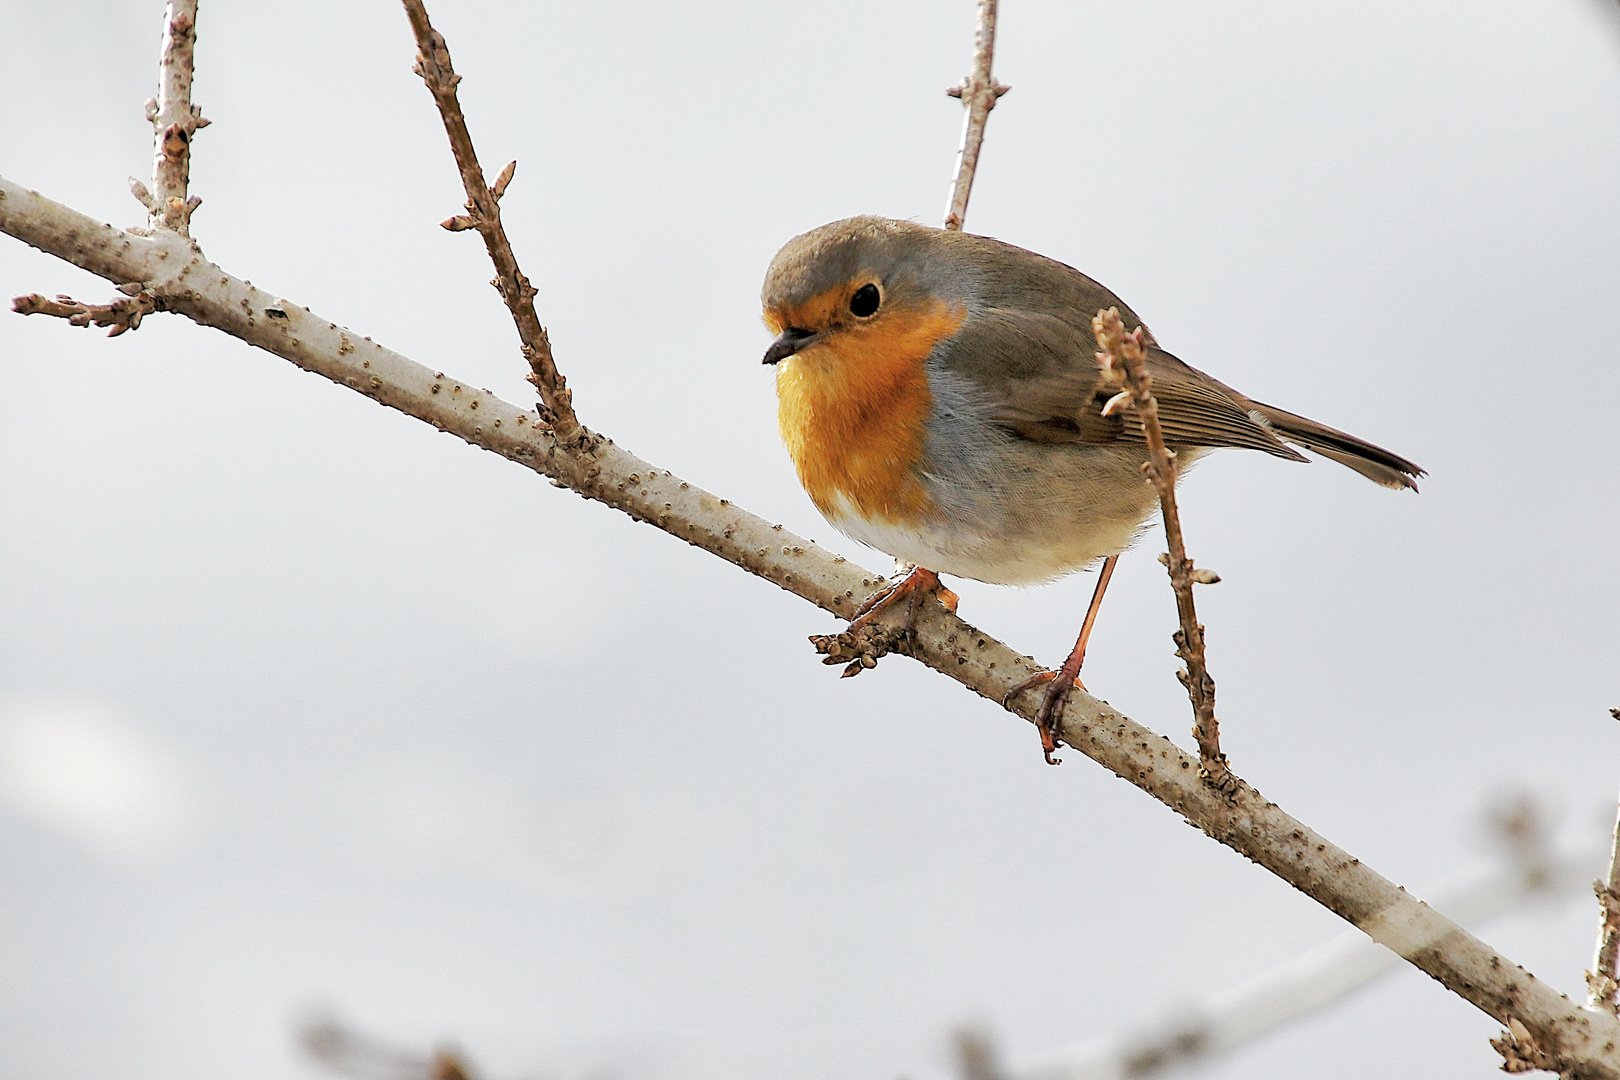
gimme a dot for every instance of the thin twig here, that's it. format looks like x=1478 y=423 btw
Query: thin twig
x=1601 y=983
x=484 y=214
x=122 y=314
x=1122 y=355
x=979 y=92
x=174 y=121
x=184 y=281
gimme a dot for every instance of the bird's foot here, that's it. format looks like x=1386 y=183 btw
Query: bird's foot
x=869 y=637
x=912 y=588
x=1049 y=717
x=1061 y=683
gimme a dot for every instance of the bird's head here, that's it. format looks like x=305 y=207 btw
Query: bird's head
x=857 y=284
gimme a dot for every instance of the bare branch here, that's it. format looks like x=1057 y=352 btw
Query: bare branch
x=484 y=214
x=1122 y=354
x=979 y=92
x=174 y=120
x=177 y=274
x=1601 y=984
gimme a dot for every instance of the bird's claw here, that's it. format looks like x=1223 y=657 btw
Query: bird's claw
x=1049 y=717
x=868 y=637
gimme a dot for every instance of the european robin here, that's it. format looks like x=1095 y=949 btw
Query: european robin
x=942 y=400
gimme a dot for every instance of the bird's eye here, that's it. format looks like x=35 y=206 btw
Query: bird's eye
x=865 y=301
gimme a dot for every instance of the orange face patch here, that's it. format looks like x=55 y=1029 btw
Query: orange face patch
x=852 y=407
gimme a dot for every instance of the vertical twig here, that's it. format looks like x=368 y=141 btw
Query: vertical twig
x=174 y=120
x=1601 y=983
x=979 y=92
x=484 y=214
x=1123 y=358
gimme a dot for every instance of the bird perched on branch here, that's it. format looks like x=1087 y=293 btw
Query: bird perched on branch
x=942 y=400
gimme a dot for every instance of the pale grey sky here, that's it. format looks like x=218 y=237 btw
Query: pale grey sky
x=304 y=706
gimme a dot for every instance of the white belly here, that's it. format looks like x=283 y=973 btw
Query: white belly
x=965 y=550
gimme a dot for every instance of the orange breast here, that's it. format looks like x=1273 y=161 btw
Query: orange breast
x=852 y=411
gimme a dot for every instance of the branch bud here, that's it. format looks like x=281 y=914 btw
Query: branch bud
x=502 y=180
x=175 y=141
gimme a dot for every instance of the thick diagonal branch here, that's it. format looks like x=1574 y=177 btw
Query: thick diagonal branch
x=484 y=214
x=1588 y=1042
x=1122 y=354
x=979 y=92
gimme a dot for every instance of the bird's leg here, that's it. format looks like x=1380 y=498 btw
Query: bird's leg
x=863 y=642
x=1060 y=683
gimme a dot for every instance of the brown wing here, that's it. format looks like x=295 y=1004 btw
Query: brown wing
x=1043 y=374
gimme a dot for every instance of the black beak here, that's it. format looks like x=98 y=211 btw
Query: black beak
x=792 y=340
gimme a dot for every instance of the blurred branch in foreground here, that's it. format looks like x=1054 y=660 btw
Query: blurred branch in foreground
x=1326 y=974
x=339 y=1048
x=977 y=1055
x=346 y=1052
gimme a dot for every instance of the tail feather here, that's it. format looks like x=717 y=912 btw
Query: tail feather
x=1373 y=462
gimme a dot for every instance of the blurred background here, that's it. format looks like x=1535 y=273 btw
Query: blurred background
x=307 y=711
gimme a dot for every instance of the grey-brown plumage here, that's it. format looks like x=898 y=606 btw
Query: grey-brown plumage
x=1041 y=364
x=1026 y=478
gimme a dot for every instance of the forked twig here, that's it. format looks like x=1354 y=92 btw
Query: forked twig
x=174 y=121
x=1122 y=356
x=979 y=92
x=484 y=214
